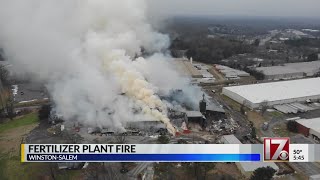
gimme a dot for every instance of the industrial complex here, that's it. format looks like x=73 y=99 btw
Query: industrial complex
x=203 y=97
x=231 y=73
x=275 y=93
x=290 y=70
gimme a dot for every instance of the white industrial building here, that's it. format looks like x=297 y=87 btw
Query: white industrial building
x=247 y=168
x=275 y=93
x=290 y=70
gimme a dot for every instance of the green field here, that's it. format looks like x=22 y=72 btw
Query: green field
x=21 y=121
x=11 y=135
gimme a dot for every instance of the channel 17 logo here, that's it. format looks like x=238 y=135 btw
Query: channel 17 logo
x=276 y=149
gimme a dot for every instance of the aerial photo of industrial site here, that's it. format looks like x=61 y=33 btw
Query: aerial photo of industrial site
x=158 y=72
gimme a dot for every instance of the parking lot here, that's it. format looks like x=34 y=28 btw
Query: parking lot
x=29 y=92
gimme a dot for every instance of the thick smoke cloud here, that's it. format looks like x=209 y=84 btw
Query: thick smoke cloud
x=86 y=52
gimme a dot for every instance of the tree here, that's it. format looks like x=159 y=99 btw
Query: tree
x=44 y=112
x=263 y=107
x=163 y=139
x=4 y=76
x=292 y=126
x=257 y=74
x=313 y=57
x=242 y=109
x=182 y=141
x=272 y=63
x=287 y=59
x=245 y=104
x=253 y=132
x=200 y=170
x=10 y=108
x=256 y=42
x=263 y=173
x=164 y=170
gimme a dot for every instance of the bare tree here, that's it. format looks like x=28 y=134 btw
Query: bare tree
x=245 y=104
x=6 y=99
x=263 y=107
x=4 y=77
x=9 y=107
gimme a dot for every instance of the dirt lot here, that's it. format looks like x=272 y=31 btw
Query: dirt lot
x=257 y=120
x=228 y=169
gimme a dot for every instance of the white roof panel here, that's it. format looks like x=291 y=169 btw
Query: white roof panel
x=276 y=91
x=194 y=114
x=310 y=123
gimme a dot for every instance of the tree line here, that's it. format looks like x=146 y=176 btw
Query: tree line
x=6 y=99
x=211 y=50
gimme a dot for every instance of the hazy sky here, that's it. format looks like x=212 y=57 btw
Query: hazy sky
x=295 y=8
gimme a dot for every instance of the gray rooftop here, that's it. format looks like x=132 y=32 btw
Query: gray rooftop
x=194 y=114
x=302 y=67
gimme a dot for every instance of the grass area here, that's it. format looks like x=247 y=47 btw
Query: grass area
x=281 y=130
x=20 y=121
x=233 y=104
x=296 y=176
x=257 y=119
x=275 y=114
x=11 y=135
x=32 y=103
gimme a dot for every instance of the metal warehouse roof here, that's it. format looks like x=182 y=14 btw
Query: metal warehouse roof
x=277 y=91
x=302 y=67
x=275 y=70
x=310 y=123
x=231 y=139
x=194 y=114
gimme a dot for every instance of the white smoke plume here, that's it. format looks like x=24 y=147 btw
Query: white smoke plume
x=85 y=50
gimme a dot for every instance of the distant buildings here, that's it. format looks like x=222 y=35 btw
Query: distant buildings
x=185 y=67
x=198 y=72
x=231 y=73
x=290 y=70
x=275 y=93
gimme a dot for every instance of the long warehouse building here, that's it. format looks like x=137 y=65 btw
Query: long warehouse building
x=291 y=70
x=275 y=93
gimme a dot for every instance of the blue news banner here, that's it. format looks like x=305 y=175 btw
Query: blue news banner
x=139 y=153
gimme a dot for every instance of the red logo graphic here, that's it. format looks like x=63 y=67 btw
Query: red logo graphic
x=276 y=149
